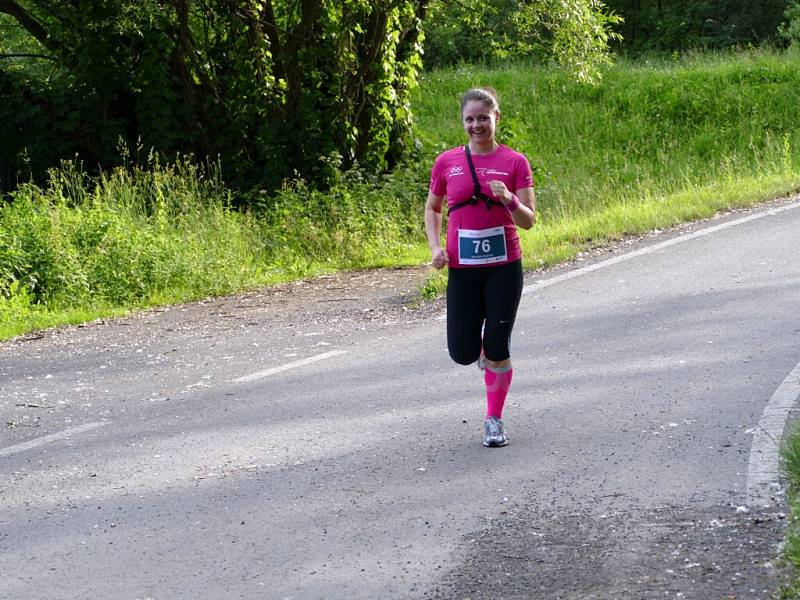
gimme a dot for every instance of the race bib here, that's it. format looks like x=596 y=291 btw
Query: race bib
x=482 y=246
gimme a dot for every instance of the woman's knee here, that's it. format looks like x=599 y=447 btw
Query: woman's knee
x=497 y=348
x=464 y=357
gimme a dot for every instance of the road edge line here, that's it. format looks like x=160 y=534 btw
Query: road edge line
x=69 y=432
x=538 y=285
x=658 y=246
x=288 y=366
x=763 y=468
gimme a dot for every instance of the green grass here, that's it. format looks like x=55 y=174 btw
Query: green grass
x=647 y=126
x=83 y=248
x=657 y=143
x=790 y=463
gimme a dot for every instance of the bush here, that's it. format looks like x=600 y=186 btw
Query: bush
x=789 y=30
x=704 y=24
x=15 y=304
x=359 y=221
x=168 y=233
x=115 y=240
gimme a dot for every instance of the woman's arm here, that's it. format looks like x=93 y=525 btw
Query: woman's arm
x=525 y=215
x=524 y=211
x=433 y=229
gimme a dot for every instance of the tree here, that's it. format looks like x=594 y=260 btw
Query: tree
x=574 y=33
x=668 y=25
x=278 y=88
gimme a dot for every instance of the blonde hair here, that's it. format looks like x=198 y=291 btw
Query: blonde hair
x=486 y=95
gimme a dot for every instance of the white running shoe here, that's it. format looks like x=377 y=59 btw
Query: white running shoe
x=494 y=433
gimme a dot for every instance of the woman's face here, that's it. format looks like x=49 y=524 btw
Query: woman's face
x=479 y=122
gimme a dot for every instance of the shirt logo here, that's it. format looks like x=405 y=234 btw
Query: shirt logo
x=455 y=171
x=484 y=171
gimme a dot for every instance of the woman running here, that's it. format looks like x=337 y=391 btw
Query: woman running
x=490 y=192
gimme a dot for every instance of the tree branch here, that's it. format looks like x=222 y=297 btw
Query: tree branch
x=28 y=22
x=24 y=55
x=298 y=36
x=310 y=12
x=275 y=46
x=185 y=47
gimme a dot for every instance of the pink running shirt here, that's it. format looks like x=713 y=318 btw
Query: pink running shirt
x=451 y=177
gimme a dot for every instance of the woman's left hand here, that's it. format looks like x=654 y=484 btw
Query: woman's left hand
x=500 y=191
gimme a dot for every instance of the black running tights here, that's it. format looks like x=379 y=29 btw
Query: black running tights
x=482 y=299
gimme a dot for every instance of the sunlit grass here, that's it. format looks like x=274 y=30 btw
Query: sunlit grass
x=790 y=463
x=657 y=143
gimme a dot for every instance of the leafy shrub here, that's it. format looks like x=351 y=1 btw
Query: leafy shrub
x=789 y=30
x=358 y=221
x=15 y=304
x=702 y=24
x=204 y=78
x=169 y=233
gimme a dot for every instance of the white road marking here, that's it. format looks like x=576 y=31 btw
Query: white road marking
x=8 y=451
x=763 y=470
x=289 y=366
x=654 y=248
x=538 y=285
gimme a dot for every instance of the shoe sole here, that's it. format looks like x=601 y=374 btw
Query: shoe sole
x=496 y=445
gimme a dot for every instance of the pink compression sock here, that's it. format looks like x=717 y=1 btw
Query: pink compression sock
x=497 y=384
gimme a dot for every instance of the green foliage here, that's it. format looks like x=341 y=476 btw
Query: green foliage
x=44 y=120
x=453 y=36
x=671 y=25
x=167 y=233
x=278 y=89
x=119 y=239
x=357 y=222
x=576 y=33
x=789 y=31
x=275 y=88
x=790 y=460
x=19 y=51
x=790 y=465
x=15 y=305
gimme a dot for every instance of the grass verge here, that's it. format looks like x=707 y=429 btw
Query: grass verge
x=553 y=243
x=790 y=462
x=80 y=248
x=659 y=142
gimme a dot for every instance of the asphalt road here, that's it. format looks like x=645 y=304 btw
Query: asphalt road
x=186 y=454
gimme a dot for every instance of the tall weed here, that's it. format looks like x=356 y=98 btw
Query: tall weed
x=122 y=238
x=168 y=233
